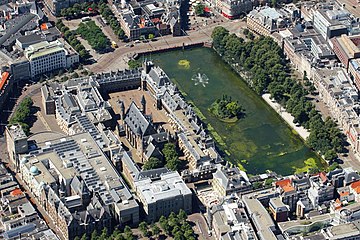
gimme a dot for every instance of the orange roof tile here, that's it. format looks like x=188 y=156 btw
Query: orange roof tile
x=323 y=177
x=4 y=79
x=285 y=185
x=356 y=186
x=344 y=193
x=283 y=182
x=44 y=26
x=16 y=192
x=337 y=204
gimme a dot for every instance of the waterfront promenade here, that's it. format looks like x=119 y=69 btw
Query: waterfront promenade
x=303 y=132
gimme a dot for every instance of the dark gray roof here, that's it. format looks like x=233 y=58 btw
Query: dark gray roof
x=317 y=236
x=135 y=119
x=153 y=173
x=130 y=164
x=157 y=138
x=159 y=77
x=334 y=172
x=32 y=38
x=302 y=182
x=231 y=178
x=15 y=232
x=351 y=177
x=170 y=101
x=231 y=236
x=78 y=186
x=152 y=151
x=23 y=22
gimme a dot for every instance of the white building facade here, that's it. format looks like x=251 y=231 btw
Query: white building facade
x=48 y=56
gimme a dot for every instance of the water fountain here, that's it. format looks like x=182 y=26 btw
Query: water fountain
x=200 y=78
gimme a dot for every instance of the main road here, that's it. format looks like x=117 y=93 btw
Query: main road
x=118 y=58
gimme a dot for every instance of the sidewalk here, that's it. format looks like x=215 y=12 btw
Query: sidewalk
x=303 y=132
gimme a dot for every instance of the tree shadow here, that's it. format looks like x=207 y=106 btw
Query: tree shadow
x=33 y=117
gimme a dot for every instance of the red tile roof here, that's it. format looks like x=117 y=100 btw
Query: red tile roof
x=344 y=193
x=285 y=185
x=16 y=192
x=356 y=186
x=323 y=177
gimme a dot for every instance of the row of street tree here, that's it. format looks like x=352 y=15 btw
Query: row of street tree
x=70 y=37
x=109 y=16
x=264 y=63
x=79 y=10
x=22 y=115
x=175 y=226
x=94 y=36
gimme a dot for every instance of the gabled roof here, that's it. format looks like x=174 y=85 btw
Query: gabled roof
x=285 y=184
x=135 y=119
x=158 y=76
x=356 y=186
x=152 y=151
x=170 y=101
x=323 y=177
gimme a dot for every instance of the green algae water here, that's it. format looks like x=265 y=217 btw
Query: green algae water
x=261 y=140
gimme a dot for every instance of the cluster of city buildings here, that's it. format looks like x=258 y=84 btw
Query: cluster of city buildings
x=29 y=46
x=19 y=218
x=139 y=19
x=79 y=172
x=75 y=174
x=319 y=206
x=322 y=41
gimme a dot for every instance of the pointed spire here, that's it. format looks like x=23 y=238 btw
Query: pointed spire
x=122 y=107
x=143 y=103
x=138 y=131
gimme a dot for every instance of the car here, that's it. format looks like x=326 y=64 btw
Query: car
x=131 y=45
x=137 y=41
x=127 y=45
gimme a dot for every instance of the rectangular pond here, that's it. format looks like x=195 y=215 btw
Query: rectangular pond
x=261 y=140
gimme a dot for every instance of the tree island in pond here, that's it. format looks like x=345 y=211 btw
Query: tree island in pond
x=227 y=110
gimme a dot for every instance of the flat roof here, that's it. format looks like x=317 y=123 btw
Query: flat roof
x=261 y=218
x=344 y=230
x=88 y=161
x=284 y=226
x=43 y=48
x=169 y=186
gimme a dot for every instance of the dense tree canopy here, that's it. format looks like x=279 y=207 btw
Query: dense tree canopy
x=200 y=9
x=263 y=61
x=153 y=163
x=93 y=34
x=22 y=115
x=171 y=156
x=134 y=64
x=109 y=16
x=175 y=226
x=80 y=10
x=226 y=108
x=70 y=37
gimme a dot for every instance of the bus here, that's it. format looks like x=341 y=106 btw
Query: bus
x=85 y=19
x=114 y=44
